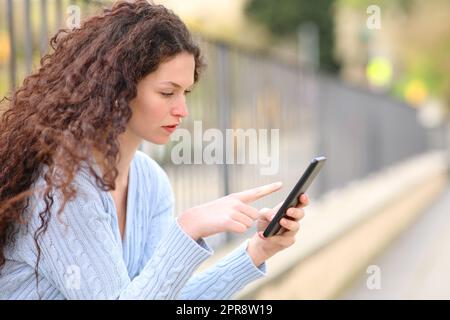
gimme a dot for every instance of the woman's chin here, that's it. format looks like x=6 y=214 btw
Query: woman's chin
x=159 y=139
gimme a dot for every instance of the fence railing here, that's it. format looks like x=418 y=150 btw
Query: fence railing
x=28 y=25
x=358 y=131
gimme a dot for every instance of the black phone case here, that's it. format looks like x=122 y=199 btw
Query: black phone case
x=292 y=199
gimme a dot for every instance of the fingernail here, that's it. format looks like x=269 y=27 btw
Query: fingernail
x=278 y=184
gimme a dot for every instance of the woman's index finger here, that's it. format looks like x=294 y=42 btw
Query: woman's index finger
x=258 y=192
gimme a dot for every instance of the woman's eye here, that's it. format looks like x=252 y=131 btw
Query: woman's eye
x=168 y=94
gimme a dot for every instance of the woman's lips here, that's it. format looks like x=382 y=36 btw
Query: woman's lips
x=170 y=128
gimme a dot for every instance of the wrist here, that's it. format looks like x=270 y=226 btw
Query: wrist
x=256 y=253
x=186 y=223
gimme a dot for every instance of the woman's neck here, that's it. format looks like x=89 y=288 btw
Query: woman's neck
x=128 y=145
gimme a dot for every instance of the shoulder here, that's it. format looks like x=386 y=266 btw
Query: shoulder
x=86 y=189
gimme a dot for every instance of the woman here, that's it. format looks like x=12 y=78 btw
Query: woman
x=83 y=213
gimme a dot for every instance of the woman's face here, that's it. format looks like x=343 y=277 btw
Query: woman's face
x=161 y=99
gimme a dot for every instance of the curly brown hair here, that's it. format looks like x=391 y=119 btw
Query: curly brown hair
x=77 y=102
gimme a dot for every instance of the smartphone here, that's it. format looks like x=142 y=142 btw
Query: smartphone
x=292 y=199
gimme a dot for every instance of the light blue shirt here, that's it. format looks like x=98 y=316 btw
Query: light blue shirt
x=84 y=257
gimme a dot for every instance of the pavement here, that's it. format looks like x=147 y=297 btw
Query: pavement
x=416 y=265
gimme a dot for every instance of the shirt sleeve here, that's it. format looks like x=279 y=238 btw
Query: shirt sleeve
x=230 y=275
x=81 y=257
x=224 y=279
x=221 y=281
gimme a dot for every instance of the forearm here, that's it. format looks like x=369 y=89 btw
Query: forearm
x=229 y=275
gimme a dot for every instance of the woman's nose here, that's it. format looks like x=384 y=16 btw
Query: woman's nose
x=181 y=109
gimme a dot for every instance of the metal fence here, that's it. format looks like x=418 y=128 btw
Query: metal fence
x=358 y=131
x=28 y=25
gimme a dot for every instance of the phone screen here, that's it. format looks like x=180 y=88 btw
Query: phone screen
x=292 y=199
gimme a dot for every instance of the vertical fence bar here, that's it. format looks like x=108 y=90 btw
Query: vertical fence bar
x=28 y=38
x=12 y=45
x=223 y=102
x=44 y=20
x=224 y=107
x=446 y=133
x=58 y=13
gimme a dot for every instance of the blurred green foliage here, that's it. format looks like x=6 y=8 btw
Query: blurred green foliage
x=283 y=19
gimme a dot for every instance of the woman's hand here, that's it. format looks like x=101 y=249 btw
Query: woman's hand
x=261 y=248
x=228 y=214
